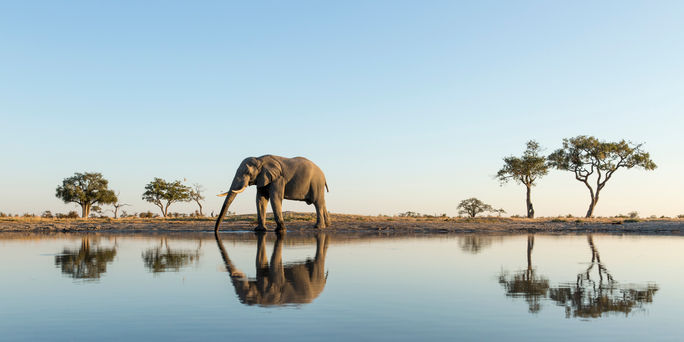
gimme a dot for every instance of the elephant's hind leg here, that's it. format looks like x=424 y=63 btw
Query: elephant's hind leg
x=321 y=215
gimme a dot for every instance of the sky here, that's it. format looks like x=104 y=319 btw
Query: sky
x=405 y=105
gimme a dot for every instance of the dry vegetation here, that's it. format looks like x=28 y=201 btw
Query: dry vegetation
x=357 y=223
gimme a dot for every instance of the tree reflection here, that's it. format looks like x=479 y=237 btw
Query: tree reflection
x=277 y=283
x=526 y=284
x=164 y=259
x=596 y=292
x=88 y=262
x=474 y=243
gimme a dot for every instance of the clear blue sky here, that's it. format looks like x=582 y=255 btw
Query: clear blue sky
x=406 y=105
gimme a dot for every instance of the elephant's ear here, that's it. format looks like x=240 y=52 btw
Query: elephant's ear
x=270 y=171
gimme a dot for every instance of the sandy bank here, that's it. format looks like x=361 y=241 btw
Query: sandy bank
x=357 y=224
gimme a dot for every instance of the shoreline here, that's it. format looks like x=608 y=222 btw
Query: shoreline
x=354 y=226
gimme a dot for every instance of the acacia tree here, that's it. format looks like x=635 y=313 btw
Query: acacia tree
x=162 y=193
x=86 y=189
x=525 y=170
x=587 y=157
x=473 y=206
x=196 y=195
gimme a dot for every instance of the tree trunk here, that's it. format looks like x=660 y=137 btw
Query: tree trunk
x=85 y=210
x=530 y=208
x=590 y=212
x=116 y=210
x=200 y=206
x=594 y=200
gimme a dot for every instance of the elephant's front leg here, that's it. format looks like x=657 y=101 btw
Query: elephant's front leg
x=261 y=202
x=277 y=194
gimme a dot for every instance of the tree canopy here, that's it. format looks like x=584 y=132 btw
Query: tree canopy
x=162 y=193
x=473 y=206
x=587 y=157
x=86 y=189
x=525 y=170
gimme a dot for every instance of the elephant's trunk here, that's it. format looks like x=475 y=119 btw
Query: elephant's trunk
x=226 y=204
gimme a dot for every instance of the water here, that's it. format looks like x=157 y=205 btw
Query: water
x=192 y=287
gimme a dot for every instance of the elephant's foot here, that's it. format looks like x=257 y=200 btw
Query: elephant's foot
x=320 y=226
x=281 y=229
x=260 y=228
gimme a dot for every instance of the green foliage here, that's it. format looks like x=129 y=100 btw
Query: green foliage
x=588 y=157
x=46 y=214
x=86 y=189
x=410 y=214
x=162 y=193
x=473 y=206
x=147 y=214
x=526 y=169
x=72 y=214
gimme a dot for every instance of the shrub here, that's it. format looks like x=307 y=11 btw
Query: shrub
x=147 y=214
x=681 y=216
x=633 y=214
x=46 y=214
x=3 y=214
x=72 y=214
x=28 y=215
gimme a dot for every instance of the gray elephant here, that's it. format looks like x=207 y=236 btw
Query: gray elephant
x=279 y=178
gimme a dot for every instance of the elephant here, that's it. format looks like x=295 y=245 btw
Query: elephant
x=277 y=284
x=278 y=178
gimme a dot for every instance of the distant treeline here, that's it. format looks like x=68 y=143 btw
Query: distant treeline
x=591 y=161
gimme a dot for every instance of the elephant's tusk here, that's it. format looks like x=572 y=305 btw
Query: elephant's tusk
x=222 y=195
x=239 y=191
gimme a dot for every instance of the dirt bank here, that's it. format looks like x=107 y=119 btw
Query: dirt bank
x=357 y=224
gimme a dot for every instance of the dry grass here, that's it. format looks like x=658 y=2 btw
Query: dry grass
x=310 y=217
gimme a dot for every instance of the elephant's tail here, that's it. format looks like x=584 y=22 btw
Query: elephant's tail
x=326 y=187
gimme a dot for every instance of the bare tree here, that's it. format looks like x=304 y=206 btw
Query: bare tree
x=196 y=195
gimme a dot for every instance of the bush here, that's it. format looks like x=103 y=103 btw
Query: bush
x=70 y=215
x=28 y=215
x=3 y=214
x=147 y=214
x=681 y=216
x=633 y=214
x=46 y=214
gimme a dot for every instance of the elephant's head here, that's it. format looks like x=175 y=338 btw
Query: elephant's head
x=260 y=171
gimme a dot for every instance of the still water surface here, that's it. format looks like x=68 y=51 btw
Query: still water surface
x=470 y=287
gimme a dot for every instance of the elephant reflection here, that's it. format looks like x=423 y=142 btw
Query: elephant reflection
x=88 y=262
x=164 y=259
x=590 y=298
x=277 y=284
x=526 y=283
